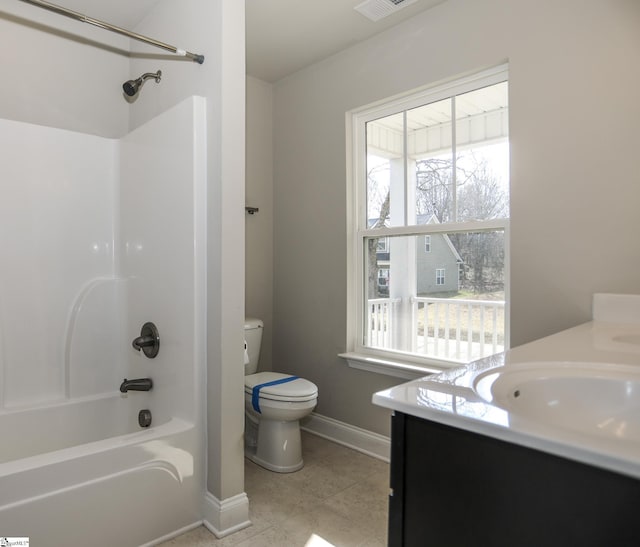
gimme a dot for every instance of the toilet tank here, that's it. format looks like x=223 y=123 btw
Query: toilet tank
x=253 y=336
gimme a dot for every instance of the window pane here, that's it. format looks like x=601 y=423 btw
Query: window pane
x=385 y=152
x=448 y=304
x=430 y=160
x=482 y=158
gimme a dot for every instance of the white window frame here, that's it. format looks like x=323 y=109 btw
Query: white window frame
x=440 y=276
x=427 y=243
x=358 y=355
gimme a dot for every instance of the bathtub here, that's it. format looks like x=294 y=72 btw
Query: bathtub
x=83 y=472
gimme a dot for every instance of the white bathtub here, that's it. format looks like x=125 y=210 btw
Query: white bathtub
x=75 y=290
x=84 y=473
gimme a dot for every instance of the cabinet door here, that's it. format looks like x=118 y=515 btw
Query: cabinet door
x=456 y=488
x=396 y=480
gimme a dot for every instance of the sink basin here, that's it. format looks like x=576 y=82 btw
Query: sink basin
x=600 y=400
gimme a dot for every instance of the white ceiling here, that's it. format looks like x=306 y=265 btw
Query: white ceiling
x=282 y=36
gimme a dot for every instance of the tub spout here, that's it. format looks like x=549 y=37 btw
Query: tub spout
x=139 y=384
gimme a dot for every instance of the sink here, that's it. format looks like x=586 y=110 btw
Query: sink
x=601 y=400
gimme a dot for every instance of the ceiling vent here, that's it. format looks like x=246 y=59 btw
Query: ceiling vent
x=378 y=9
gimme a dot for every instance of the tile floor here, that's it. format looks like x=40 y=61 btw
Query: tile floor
x=339 y=498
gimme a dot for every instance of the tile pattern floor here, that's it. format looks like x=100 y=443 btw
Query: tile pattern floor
x=339 y=498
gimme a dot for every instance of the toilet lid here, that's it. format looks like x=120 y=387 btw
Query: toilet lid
x=293 y=390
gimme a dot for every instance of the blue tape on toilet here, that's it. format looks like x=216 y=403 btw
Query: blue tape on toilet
x=255 y=393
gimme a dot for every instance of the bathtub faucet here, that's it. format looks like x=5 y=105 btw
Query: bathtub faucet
x=143 y=342
x=139 y=384
x=148 y=341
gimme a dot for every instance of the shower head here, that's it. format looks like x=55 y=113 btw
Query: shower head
x=131 y=87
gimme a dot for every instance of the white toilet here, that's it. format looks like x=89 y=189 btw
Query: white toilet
x=274 y=403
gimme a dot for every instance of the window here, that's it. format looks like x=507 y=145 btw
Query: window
x=429 y=184
x=383 y=281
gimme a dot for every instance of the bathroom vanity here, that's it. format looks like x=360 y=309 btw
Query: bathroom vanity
x=453 y=487
x=537 y=446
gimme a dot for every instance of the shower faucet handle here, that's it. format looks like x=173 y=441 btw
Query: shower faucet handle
x=148 y=341
x=143 y=342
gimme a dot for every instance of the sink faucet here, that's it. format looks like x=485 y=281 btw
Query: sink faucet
x=139 y=384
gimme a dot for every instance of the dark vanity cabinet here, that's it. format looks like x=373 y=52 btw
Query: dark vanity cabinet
x=451 y=487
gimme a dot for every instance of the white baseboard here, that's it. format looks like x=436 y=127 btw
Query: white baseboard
x=224 y=517
x=367 y=442
x=173 y=534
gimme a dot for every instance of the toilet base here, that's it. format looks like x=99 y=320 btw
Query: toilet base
x=270 y=467
x=278 y=447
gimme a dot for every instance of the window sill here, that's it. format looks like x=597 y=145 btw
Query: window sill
x=399 y=369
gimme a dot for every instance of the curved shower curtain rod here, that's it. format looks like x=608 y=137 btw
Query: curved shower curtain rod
x=96 y=22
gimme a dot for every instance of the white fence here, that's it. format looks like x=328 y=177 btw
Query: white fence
x=380 y=322
x=443 y=328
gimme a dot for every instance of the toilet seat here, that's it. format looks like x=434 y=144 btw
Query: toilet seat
x=296 y=390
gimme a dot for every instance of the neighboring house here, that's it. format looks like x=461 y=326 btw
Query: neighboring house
x=438 y=263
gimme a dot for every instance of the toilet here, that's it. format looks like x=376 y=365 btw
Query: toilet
x=274 y=403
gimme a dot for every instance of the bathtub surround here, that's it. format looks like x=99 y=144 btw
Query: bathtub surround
x=73 y=81
x=58 y=279
x=85 y=234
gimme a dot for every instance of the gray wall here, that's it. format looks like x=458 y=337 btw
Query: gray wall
x=259 y=227
x=575 y=171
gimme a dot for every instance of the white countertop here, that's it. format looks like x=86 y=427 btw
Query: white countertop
x=450 y=397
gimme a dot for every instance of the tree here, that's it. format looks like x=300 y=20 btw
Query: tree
x=434 y=188
x=479 y=196
x=372 y=249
